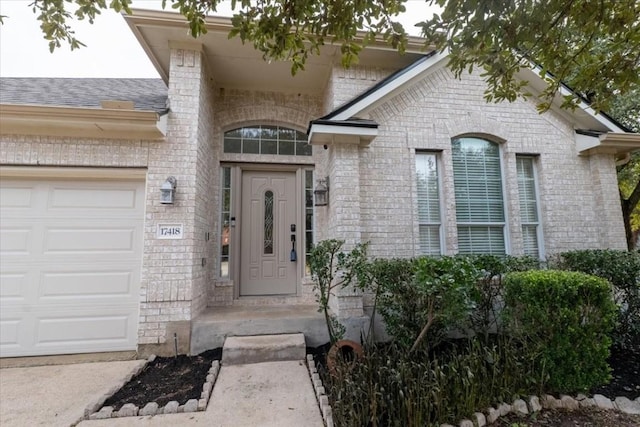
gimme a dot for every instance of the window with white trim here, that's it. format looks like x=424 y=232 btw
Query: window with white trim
x=429 y=223
x=225 y=221
x=480 y=204
x=529 y=217
x=265 y=139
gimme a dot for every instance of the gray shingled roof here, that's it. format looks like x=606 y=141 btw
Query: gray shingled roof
x=146 y=94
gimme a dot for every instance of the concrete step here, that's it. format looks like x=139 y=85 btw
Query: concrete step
x=211 y=327
x=263 y=348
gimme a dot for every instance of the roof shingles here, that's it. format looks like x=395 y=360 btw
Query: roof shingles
x=146 y=94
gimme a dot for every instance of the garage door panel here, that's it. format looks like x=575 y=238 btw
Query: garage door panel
x=65 y=330
x=87 y=284
x=70 y=265
x=88 y=198
x=13 y=286
x=16 y=241
x=10 y=333
x=16 y=196
x=95 y=239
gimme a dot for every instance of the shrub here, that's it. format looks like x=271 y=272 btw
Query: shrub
x=488 y=290
x=622 y=270
x=564 y=320
x=421 y=299
x=331 y=268
x=391 y=388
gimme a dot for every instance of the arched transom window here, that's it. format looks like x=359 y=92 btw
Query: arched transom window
x=264 y=139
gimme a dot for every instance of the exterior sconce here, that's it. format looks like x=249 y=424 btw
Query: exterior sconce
x=321 y=193
x=167 y=190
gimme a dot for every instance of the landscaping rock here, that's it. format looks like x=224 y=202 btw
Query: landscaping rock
x=586 y=403
x=603 y=402
x=504 y=409
x=128 y=410
x=150 y=408
x=327 y=412
x=320 y=391
x=103 y=414
x=191 y=405
x=202 y=404
x=171 y=407
x=550 y=402
x=569 y=403
x=519 y=406
x=479 y=419
x=534 y=404
x=628 y=406
x=492 y=415
x=466 y=423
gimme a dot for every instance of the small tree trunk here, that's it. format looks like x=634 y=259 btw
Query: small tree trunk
x=423 y=332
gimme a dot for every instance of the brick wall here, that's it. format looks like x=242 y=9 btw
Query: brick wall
x=578 y=195
x=234 y=108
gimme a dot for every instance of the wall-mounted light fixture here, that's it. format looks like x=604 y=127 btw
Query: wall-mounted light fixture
x=168 y=190
x=321 y=192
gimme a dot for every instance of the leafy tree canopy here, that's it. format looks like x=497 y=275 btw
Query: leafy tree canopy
x=595 y=43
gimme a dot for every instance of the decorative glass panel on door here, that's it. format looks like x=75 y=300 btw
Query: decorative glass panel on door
x=268 y=222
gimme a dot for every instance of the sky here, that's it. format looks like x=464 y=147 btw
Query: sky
x=111 y=51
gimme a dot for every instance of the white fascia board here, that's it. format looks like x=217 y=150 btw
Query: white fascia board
x=535 y=70
x=391 y=87
x=319 y=133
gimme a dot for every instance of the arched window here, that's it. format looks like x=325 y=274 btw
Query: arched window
x=479 y=197
x=263 y=139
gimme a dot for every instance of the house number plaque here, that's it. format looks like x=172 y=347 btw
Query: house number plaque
x=170 y=231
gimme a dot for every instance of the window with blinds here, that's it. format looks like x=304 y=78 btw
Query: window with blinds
x=479 y=197
x=429 y=223
x=528 y=205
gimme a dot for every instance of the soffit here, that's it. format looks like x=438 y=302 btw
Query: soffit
x=234 y=65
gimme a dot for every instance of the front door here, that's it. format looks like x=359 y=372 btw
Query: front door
x=269 y=213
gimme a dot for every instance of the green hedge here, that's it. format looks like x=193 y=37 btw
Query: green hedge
x=564 y=320
x=423 y=298
x=622 y=270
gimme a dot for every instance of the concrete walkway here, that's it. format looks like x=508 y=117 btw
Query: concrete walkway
x=265 y=394
x=56 y=395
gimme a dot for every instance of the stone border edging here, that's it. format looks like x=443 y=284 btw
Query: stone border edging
x=536 y=404
x=321 y=396
x=151 y=408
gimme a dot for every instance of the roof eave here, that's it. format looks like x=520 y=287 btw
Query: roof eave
x=80 y=122
x=326 y=133
x=618 y=143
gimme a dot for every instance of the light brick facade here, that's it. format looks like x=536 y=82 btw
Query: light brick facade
x=372 y=188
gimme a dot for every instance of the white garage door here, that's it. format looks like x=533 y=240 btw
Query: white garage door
x=70 y=260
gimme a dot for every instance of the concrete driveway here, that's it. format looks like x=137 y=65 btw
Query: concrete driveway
x=57 y=395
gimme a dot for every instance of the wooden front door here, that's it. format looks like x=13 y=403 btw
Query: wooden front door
x=269 y=214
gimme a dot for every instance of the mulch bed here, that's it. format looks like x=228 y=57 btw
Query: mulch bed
x=583 y=417
x=625 y=376
x=165 y=379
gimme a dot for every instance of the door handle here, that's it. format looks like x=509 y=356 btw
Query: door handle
x=293 y=256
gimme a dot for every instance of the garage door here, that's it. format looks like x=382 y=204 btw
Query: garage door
x=70 y=261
